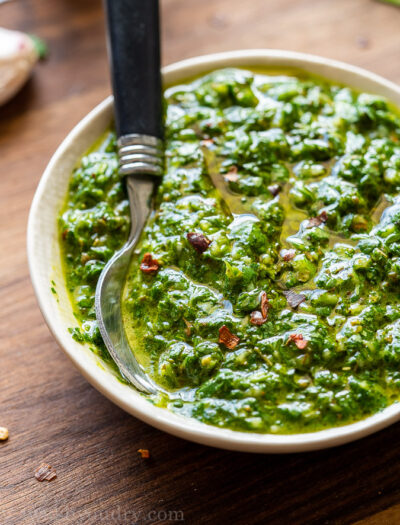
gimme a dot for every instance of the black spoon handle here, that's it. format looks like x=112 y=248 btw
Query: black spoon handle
x=134 y=47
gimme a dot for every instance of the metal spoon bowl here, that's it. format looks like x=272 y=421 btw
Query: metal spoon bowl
x=110 y=284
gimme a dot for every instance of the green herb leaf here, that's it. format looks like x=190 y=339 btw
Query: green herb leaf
x=41 y=47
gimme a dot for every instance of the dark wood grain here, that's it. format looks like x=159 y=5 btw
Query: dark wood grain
x=52 y=413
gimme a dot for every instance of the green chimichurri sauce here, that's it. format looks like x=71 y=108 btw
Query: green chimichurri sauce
x=264 y=293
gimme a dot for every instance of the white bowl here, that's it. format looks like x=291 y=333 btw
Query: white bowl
x=44 y=261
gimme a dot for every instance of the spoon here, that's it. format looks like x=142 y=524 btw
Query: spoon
x=134 y=47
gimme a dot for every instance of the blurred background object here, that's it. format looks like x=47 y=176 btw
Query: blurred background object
x=18 y=54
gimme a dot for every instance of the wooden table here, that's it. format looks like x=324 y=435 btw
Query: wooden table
x=52 y=413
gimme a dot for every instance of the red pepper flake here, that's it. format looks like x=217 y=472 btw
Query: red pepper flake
x=314 y=221
x=199 y=241
x=84 y=258
x=45 y=472
x=148 y=264
x=293 y=298
x=265 y=305
x=288 y=255
x=231 y=177
x=359 y=224
x=317 y=221
x=64 y=234
x=298 y=340
x=232 y=174
x=257 y=318
x=323 y=216
x=227 y=338
x=274 y=189
x=144 y=453
x=188 y=329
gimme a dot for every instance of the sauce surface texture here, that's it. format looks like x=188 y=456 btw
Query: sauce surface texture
x=264 y=293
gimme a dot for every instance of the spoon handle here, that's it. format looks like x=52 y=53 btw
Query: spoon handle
x=134 y=47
